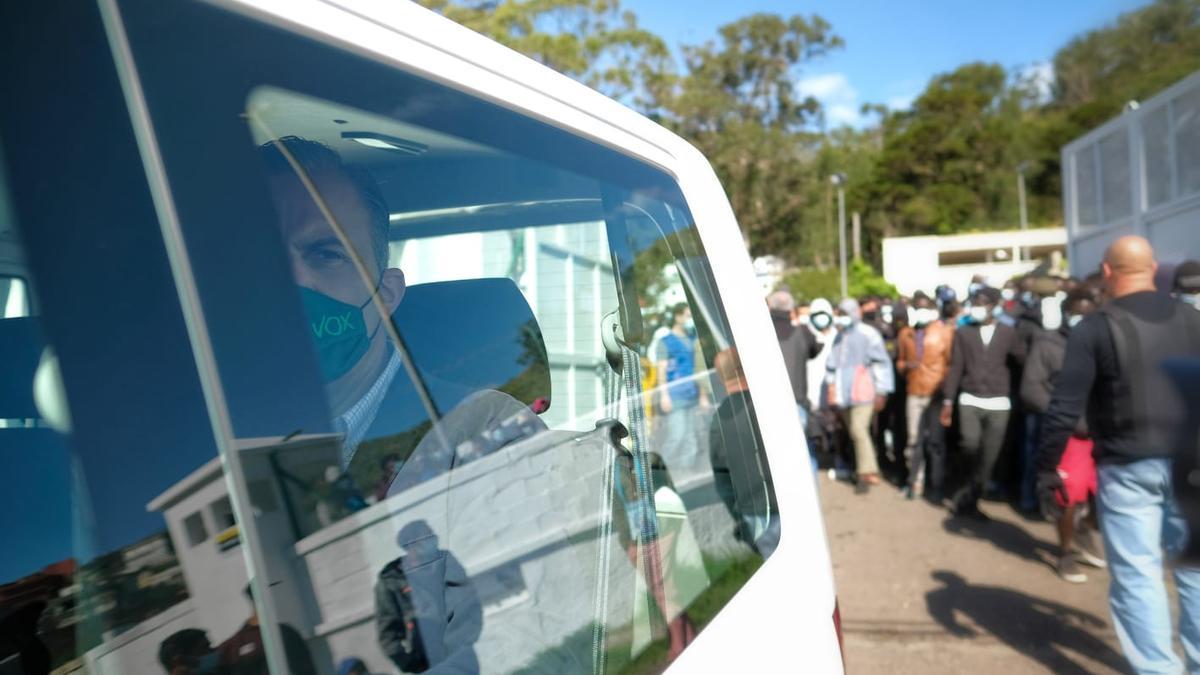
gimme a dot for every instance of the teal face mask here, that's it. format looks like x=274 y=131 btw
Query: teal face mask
x=338 y=330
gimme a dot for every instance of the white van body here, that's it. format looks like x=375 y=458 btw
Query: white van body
x=784 y=618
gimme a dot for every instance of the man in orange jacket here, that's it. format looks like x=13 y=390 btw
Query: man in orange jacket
x=923 y=358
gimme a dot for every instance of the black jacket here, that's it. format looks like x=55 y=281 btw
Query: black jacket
x=1094 y=379
x=427 y=615
x=798 y=345
x=983 y=370
x=1041 y=369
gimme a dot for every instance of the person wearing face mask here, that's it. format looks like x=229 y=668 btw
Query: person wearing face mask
x=820 y=323
x=1077 y=467
x=1113 y=372
x=798 y=345
x=923 y=359
x=980 y=381
x=334 y=223
x=1187 y=283
x=859 y=377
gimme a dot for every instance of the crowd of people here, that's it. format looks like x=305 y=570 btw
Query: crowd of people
x=1045 y=391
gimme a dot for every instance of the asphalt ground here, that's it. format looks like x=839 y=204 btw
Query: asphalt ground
x=923 y=592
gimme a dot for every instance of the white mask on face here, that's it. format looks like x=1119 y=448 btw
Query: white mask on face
x=820 y=320
x=1008 y=294
x=843 y=322
x=979 y=313
x=1073 y=320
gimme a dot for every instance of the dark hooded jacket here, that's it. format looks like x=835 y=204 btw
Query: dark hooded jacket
x=798 y=345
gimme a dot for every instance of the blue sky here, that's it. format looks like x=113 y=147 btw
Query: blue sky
x=893 y=48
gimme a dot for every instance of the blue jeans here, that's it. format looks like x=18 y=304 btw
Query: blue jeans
x=1140 y=519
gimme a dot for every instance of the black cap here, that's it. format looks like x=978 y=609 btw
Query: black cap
x=988 y=296
x=1187 y=277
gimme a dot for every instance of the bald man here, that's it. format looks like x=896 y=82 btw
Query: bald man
x=1113 y=371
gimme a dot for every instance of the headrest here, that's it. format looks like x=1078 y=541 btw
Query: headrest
x=475 y=334
x=20 y=351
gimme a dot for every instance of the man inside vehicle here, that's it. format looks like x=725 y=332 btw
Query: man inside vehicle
x=334 y=222
x=325 y=205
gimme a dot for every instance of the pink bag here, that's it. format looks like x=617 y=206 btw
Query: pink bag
x=862 y=389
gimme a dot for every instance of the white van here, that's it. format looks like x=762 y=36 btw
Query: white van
x=337 y=338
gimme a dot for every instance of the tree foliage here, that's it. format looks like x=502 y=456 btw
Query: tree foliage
x=947 y=164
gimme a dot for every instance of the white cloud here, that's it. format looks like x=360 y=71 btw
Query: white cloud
x=901 y=102
x=838 y=98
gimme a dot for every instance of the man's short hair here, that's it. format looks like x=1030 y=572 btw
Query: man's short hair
x=1076 y=297
x=678 y=310
x=189 y=642
x=1187 y=277
x=318 y=158
x=781 y=301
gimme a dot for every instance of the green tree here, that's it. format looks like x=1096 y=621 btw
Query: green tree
x=592 y=41
x=737 y=101
x=949 y=164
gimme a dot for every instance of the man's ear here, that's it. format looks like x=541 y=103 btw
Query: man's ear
x=391 y=288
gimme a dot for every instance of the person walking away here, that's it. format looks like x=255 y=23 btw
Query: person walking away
x=798 y=345
x=820 y=428
x=859 y=379
x=1072 y=508
x=1113 y=371
x=980 y=380
x=680 y=394
x=923 y=358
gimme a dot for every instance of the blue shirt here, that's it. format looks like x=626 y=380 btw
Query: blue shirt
x=680 y=355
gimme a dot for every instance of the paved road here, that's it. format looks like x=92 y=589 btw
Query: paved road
x=924 y=593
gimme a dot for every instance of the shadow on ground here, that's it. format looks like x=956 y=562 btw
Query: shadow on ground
x=1006 y=536
x=1042 y=630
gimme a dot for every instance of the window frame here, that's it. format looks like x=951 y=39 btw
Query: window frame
x=534 y=92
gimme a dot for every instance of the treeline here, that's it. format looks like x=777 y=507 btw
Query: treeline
x=946 y=164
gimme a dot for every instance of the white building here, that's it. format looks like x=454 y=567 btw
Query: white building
x=914 y=264
x=1137 y=174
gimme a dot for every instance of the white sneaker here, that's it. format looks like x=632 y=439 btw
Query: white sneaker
x=1090 y=559
x=1069 y=571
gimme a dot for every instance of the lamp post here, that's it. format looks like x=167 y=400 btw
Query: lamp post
x=839 y=181
x=1021 y=169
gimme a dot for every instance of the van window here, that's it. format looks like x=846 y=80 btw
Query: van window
x=483 y=360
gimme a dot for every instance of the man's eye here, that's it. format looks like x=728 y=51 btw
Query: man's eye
x=326 y=256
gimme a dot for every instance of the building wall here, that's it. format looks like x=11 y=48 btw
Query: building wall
x=912 y=263
x=1137 y=174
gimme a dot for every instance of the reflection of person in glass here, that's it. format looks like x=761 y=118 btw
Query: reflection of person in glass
x=427 y=615
x=680 y=396
x=187 y=652
x=740 y=471
x=243 y=653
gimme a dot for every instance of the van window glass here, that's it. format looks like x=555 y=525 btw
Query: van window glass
x=483 y=360
x=104 y=436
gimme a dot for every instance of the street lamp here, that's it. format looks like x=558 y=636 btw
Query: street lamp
x=839 y=181
x=1021 y=169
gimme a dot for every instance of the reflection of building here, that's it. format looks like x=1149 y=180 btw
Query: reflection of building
x=522 y=521
x=914 y=264
x=1137 y=174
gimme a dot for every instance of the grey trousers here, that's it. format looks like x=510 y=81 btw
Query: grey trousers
x=981 y=434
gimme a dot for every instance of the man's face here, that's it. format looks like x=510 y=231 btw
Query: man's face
x=683 y=317
x=321 y=262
